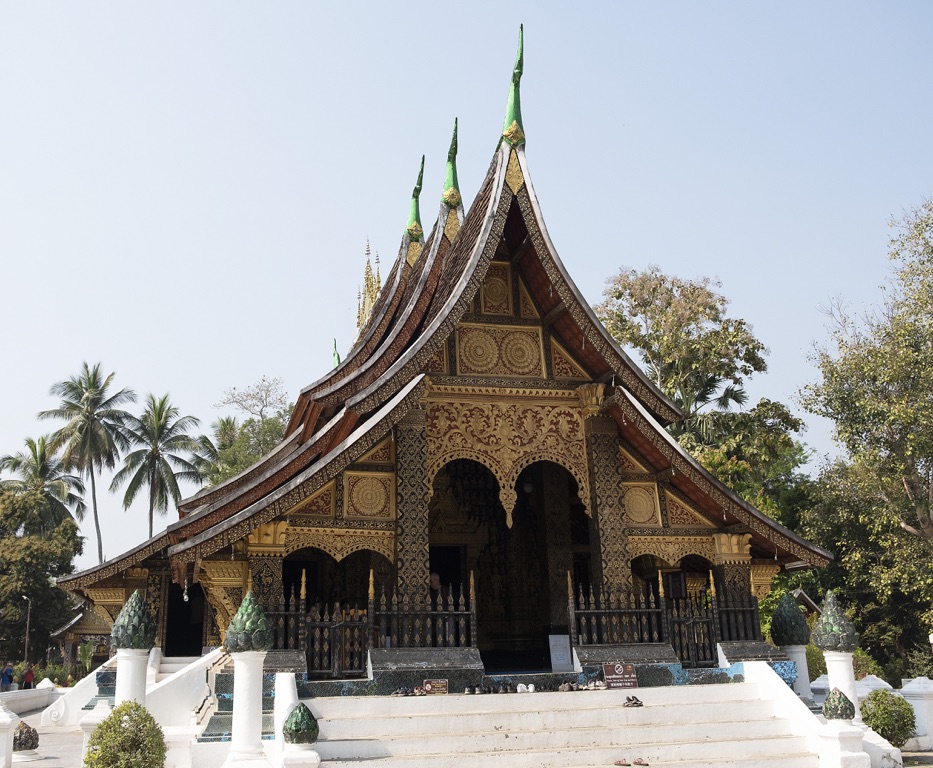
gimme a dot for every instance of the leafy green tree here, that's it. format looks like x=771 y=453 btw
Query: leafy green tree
x=155 y=464
x=93 y=434
x=877 y=381
x=235 y=446
x=38 y=471
x=700 y=358
x=694 y=352
x=33 y=555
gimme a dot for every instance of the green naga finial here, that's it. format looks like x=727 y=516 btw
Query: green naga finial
x=451 y=194
x=414 y=228
x=513 y=132
x=134 y=626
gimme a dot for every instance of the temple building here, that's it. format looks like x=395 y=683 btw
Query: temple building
x=484 y=427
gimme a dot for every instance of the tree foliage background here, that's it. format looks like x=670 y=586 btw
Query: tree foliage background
x=34 y=553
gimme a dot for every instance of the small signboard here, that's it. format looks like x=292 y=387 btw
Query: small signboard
x=561 y=656
x=435 y=687
x=620 y=675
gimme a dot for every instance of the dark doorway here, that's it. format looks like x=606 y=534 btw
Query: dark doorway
x=184 y=622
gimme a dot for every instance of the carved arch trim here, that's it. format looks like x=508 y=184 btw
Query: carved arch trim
x=671 y=549
x=340 y=543
x=506 y=437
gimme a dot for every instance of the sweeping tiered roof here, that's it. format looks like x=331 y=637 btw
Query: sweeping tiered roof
x=431 y=288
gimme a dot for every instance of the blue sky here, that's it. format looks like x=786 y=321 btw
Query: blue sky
x=186 y=190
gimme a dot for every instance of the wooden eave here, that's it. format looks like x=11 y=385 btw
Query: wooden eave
x=719 y=503
x=278 y=501
x=274 y=475
x=130 y=558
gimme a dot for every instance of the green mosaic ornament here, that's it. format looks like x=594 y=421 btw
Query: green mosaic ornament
x=451 y=194
x=833 y=630
x=25 y=738
x=249 y=629
x=513 y=131
x=837 y=706
x=788 y=626
x=414 y=230
x=301 y=726
x=135 y=626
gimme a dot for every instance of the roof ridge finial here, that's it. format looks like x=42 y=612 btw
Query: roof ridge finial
x=414 y=229
x=513 y=131
x=451 y=195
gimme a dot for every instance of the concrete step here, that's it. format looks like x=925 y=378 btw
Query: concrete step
x=678 y=726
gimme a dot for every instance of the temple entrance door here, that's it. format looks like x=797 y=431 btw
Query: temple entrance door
x=184 y=623
x=520 y=572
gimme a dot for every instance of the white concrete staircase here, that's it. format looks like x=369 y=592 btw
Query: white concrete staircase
x=727 y=726
x=169 y=665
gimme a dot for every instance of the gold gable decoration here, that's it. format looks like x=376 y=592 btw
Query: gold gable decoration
x=369 y=496
x=493 y=350
x=268 y=538
x=506 y=437
x=641 y=504
x=628 y=463
x=526 y=305
x=513 y=174
x=384 y=453
x=683 y=516
x=496 y=293
x=320 y=504
x=564 y=365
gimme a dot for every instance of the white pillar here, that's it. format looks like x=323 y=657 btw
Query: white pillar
x=842 y=676
x=131 y=676
x=90 y=721
x=286 y=699
x=798 y=655
x=919 y=694
x=246 y=738
x=8 y=723
x=841 y=746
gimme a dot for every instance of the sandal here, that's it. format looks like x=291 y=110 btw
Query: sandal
x=623 y=761
x=639 y=761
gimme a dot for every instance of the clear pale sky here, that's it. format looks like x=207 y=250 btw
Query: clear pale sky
x=186 y=189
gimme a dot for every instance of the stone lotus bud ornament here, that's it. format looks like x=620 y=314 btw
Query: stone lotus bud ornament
x=837 y=706
x=249 y=629
x=833 y=630
x=134 y=626
x=788 y=626
x=301 y=726
x=25 y=738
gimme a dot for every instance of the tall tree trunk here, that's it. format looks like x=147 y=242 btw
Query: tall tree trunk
x=100 y=542
x=152 y=477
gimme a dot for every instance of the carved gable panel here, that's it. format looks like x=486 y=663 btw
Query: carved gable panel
x=565 y=367
x=369 y=495
x=492 y=350
x=496 y=293
x=526 y=306
x=682 y=515
x=319 y=505
x=629 y=463
x=641 y=504
x=383 y=453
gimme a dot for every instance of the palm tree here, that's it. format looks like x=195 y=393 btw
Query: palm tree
x=208 y=456
x=93 y=435
x=158 y=433
x=40 y=472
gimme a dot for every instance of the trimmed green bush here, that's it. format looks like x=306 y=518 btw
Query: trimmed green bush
x=889 y=715
x=863 y=664
x=128 y=738
x=816 y=662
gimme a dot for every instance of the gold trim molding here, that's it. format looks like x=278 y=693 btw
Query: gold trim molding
x=671 y=549
x=341 y=542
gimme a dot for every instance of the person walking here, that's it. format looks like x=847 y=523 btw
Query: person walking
x=6 y=678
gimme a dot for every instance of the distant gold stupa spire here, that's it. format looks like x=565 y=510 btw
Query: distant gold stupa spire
x=366 y=296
